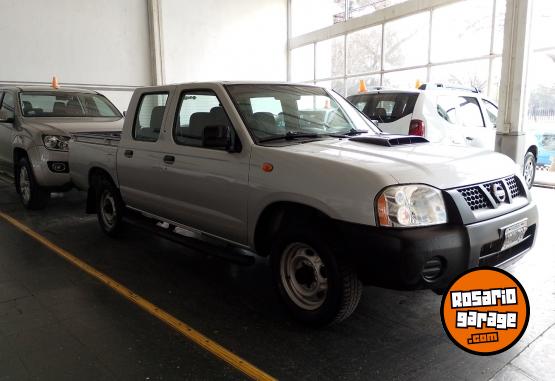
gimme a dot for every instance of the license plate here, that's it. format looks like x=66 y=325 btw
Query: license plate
x=514 y=234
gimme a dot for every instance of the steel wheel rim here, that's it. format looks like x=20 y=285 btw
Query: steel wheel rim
x=108 y=209
x=529 y=171
x=24 y=184
x=304 y=276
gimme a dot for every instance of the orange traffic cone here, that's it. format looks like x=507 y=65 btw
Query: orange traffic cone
x=327 y=104
x=418 y=84
x=362 y=86
x=55 y=84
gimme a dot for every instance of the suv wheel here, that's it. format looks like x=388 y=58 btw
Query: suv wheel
x=32 y=195
x=529 y=171
x=109 y=208
x=316 y=287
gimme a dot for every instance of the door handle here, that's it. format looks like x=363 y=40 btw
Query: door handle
x=469 y=138
x=168 y=159
x=128 y=153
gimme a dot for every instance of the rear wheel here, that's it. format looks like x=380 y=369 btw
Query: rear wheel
x=109 y=207
x=316 y=286
x=32 y=196
x=529 y=171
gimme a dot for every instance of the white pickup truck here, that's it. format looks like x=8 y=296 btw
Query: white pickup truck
x=296 y=173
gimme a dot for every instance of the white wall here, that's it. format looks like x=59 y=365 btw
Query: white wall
x=101 y=42
x=81 y=41
x=224 y=40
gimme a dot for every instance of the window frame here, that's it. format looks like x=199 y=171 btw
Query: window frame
x=137 y=112
x=487 y=102
x=459 y=111
x=235 y=140
x=3 y=95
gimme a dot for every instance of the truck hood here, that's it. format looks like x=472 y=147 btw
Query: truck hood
x=441 y=166
x=68 y=126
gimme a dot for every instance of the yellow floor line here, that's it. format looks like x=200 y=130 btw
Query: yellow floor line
x=193 y=335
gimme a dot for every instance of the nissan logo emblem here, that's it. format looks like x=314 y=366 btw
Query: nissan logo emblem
x=498 y=193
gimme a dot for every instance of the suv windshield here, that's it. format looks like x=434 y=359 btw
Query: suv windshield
x=66 y=104
x=274 y=111
x=385 y=107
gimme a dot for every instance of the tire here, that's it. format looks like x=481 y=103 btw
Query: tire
x=316 y=300
x=109 y=207
x=32 y=196
x=529 y=170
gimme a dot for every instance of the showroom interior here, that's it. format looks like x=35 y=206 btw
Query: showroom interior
x=77 y=304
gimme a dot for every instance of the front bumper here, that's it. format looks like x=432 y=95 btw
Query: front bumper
x=405 y=258
x=45 y=177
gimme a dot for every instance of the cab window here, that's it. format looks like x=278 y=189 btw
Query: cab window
x=150 y=115
x=197 y=110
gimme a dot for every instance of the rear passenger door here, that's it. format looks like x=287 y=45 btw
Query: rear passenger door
x=140 y=156
x=477 y=132
x=449 y=128
x=205 y=188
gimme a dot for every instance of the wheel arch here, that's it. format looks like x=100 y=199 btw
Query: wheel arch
x=534 y=150
x=94 y=176
x=276 y=215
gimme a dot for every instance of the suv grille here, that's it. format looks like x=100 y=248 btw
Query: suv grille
x=481 y=196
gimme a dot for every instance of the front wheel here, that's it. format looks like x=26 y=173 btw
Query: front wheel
x=32 y=196
x=529 y=171
x=317 y=288
x=109 y=208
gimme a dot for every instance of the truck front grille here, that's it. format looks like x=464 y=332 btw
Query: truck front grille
x=478 y=196
x=475 y=198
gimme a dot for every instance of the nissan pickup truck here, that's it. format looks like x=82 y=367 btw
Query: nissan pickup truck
x=36 y=123
x=298 y=174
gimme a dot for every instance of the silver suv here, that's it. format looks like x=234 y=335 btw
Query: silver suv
x=36 y=124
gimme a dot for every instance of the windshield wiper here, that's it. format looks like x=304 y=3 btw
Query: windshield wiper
x=290 y=135
x=351 y=132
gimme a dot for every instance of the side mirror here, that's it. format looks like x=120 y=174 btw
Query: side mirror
x=216 y=137
x=124 y=113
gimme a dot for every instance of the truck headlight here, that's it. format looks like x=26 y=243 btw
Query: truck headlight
x=404 y=206
x=56 y=142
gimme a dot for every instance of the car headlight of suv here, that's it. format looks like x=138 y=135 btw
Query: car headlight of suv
x=405 y=206
x=56 y=142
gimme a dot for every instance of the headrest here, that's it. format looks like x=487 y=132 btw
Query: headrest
x=156 y=118
x=380 y=112
x=265 y=121
x=59 y=108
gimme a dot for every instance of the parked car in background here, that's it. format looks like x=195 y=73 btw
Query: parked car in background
x=36 y=123
x=296 y=173
x=448 y=115
x=546 y=148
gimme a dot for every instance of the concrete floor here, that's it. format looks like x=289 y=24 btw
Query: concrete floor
x=57 y=322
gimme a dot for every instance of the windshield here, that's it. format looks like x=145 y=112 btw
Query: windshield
x=66 y=104
x=273 y=111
